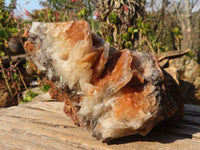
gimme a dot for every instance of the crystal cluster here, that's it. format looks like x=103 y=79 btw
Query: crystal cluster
x=111 y=93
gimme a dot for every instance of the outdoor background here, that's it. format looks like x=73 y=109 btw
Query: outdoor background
x=158 y=26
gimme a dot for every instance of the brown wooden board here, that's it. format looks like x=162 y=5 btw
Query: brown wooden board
x=42 y=125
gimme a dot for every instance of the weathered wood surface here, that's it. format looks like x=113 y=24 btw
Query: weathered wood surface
x=42 y=125
x=171 y=54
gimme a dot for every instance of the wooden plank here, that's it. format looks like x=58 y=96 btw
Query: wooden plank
x=52 y=106
x=36 y=116
x=182 y=130
x=31 y=126
x=192 y=119
x=157 y=141
x=43 y=125
x=192 y=109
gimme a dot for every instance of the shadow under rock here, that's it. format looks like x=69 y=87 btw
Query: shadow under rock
x=188 y=92
x=160 y=133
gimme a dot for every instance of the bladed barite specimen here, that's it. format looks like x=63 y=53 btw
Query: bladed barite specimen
x=109 y=92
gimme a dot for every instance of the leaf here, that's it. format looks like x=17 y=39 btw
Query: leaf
x=45 y=88
x=135 y=30
x=15 y=77
x=113 y=18
x=190 y=54
x=2 y=54
x=131 y=30
x=3 y=34
x=180 y=37
x=126 y=36
x=109 y=39
x=28 y=98
x=32 y=94
x=128 y=44
x=176 y=31
x=82 y=13
x=25 y=65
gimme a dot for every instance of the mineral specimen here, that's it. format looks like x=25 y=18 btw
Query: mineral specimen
x=111 y=93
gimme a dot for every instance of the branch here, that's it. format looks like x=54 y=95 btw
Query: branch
x=6 y=61
x=172 y=54
x=6 y=78
x=179 y=17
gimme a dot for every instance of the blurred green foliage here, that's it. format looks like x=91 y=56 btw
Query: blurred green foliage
x=138 y=33
x=191 y=54
x=64 y=10
x=48 y=15
x=178 y=36
x=45 y=88
x=113 y=18
x=8 y=24
x=29 y=96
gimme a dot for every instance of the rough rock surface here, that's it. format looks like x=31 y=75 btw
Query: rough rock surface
x=111 y=93
x=186 y=71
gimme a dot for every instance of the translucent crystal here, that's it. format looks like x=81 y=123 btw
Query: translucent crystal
x=111 y=93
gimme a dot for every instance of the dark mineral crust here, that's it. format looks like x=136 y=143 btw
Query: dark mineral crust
x=111 y=93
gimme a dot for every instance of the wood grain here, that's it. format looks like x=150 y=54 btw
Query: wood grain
x=42 y=125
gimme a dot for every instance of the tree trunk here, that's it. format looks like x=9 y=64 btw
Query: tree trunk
x=186 y=30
